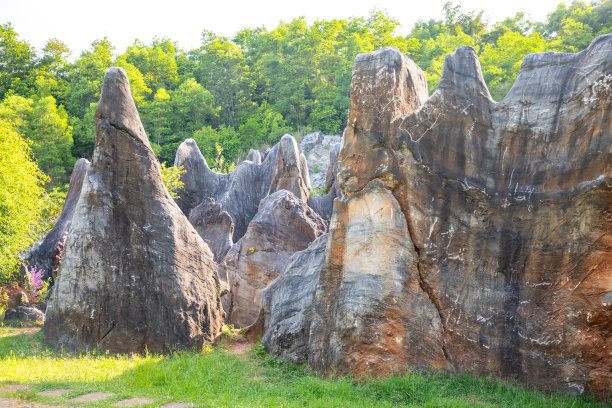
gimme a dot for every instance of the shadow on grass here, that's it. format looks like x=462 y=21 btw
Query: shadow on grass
x=221 y=379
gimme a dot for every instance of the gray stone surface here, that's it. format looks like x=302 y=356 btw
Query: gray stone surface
x=24 y=313
x=135 y=273
x=317 y=147
x=288 y=304
x=214 y=226
x=283 y=225
x=238 y=192
x=507 y=223
x=290 y=172
x=254 y=156
x=92 y=397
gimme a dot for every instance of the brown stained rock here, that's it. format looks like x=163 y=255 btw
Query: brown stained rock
x=370 y=313
x=283 y=225
x=214 y=226
x=290 y=170
x=508 y=210
x=44 y=256
x=135 y=273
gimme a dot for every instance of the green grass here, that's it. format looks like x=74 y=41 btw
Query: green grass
x=218 y=378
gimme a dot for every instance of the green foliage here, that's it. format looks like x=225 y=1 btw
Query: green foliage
x=17 y=63
x=232 y=333
x=3 y=300
x=51 y=208
x=21 y=198
x=171 y=177
x=46 y=125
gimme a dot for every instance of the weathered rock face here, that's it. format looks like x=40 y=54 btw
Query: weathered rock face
x=288 y=302
x=318 y=147
x=135 y=273
x=214 y=226
x=369 y=302
x=44 y=256
x=283 y=225
x=323 y=205
x=494 y=220
x=238 y=192
x=290 y=170
x=29 y=313
x=254 y=156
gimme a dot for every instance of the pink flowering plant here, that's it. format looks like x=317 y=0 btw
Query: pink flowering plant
x=38 y=285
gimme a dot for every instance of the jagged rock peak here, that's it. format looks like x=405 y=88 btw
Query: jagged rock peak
x=290 y=170
x=135 y=274
x=461 y=72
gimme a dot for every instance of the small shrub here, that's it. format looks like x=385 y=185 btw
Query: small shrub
x=3 y=299
x=315 y=169
x=171 y=177
x=231 y=333
x=251 y=250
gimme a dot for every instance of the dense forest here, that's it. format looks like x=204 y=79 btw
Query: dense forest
x=230 y=94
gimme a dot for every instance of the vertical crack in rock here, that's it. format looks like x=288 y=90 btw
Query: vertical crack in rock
x=426 y=288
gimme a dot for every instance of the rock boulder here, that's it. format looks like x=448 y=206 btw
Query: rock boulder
x=484 y=228
x=135 y=274
x=283 y=225
x=214 y=226
x=319 y=149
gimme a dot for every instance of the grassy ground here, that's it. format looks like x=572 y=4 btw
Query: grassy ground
x=217 y=378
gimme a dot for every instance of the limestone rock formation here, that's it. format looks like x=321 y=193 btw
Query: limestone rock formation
x=44 y=256
x=254 y=156
x=290 y=170
x=238 y=192
x=324 y=204
x=288 y=303
x=319 y=150
x=369 y=302
x=495 y=219
x=135 y=273
x=283 y=225
x=214 y=226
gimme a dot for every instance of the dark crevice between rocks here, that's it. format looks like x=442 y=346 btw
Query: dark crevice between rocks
x=429 y=292
x=108 y=332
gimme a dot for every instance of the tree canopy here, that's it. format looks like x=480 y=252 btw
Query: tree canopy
x=246 y=91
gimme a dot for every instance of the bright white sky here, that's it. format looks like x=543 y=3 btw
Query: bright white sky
x=79 y=22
